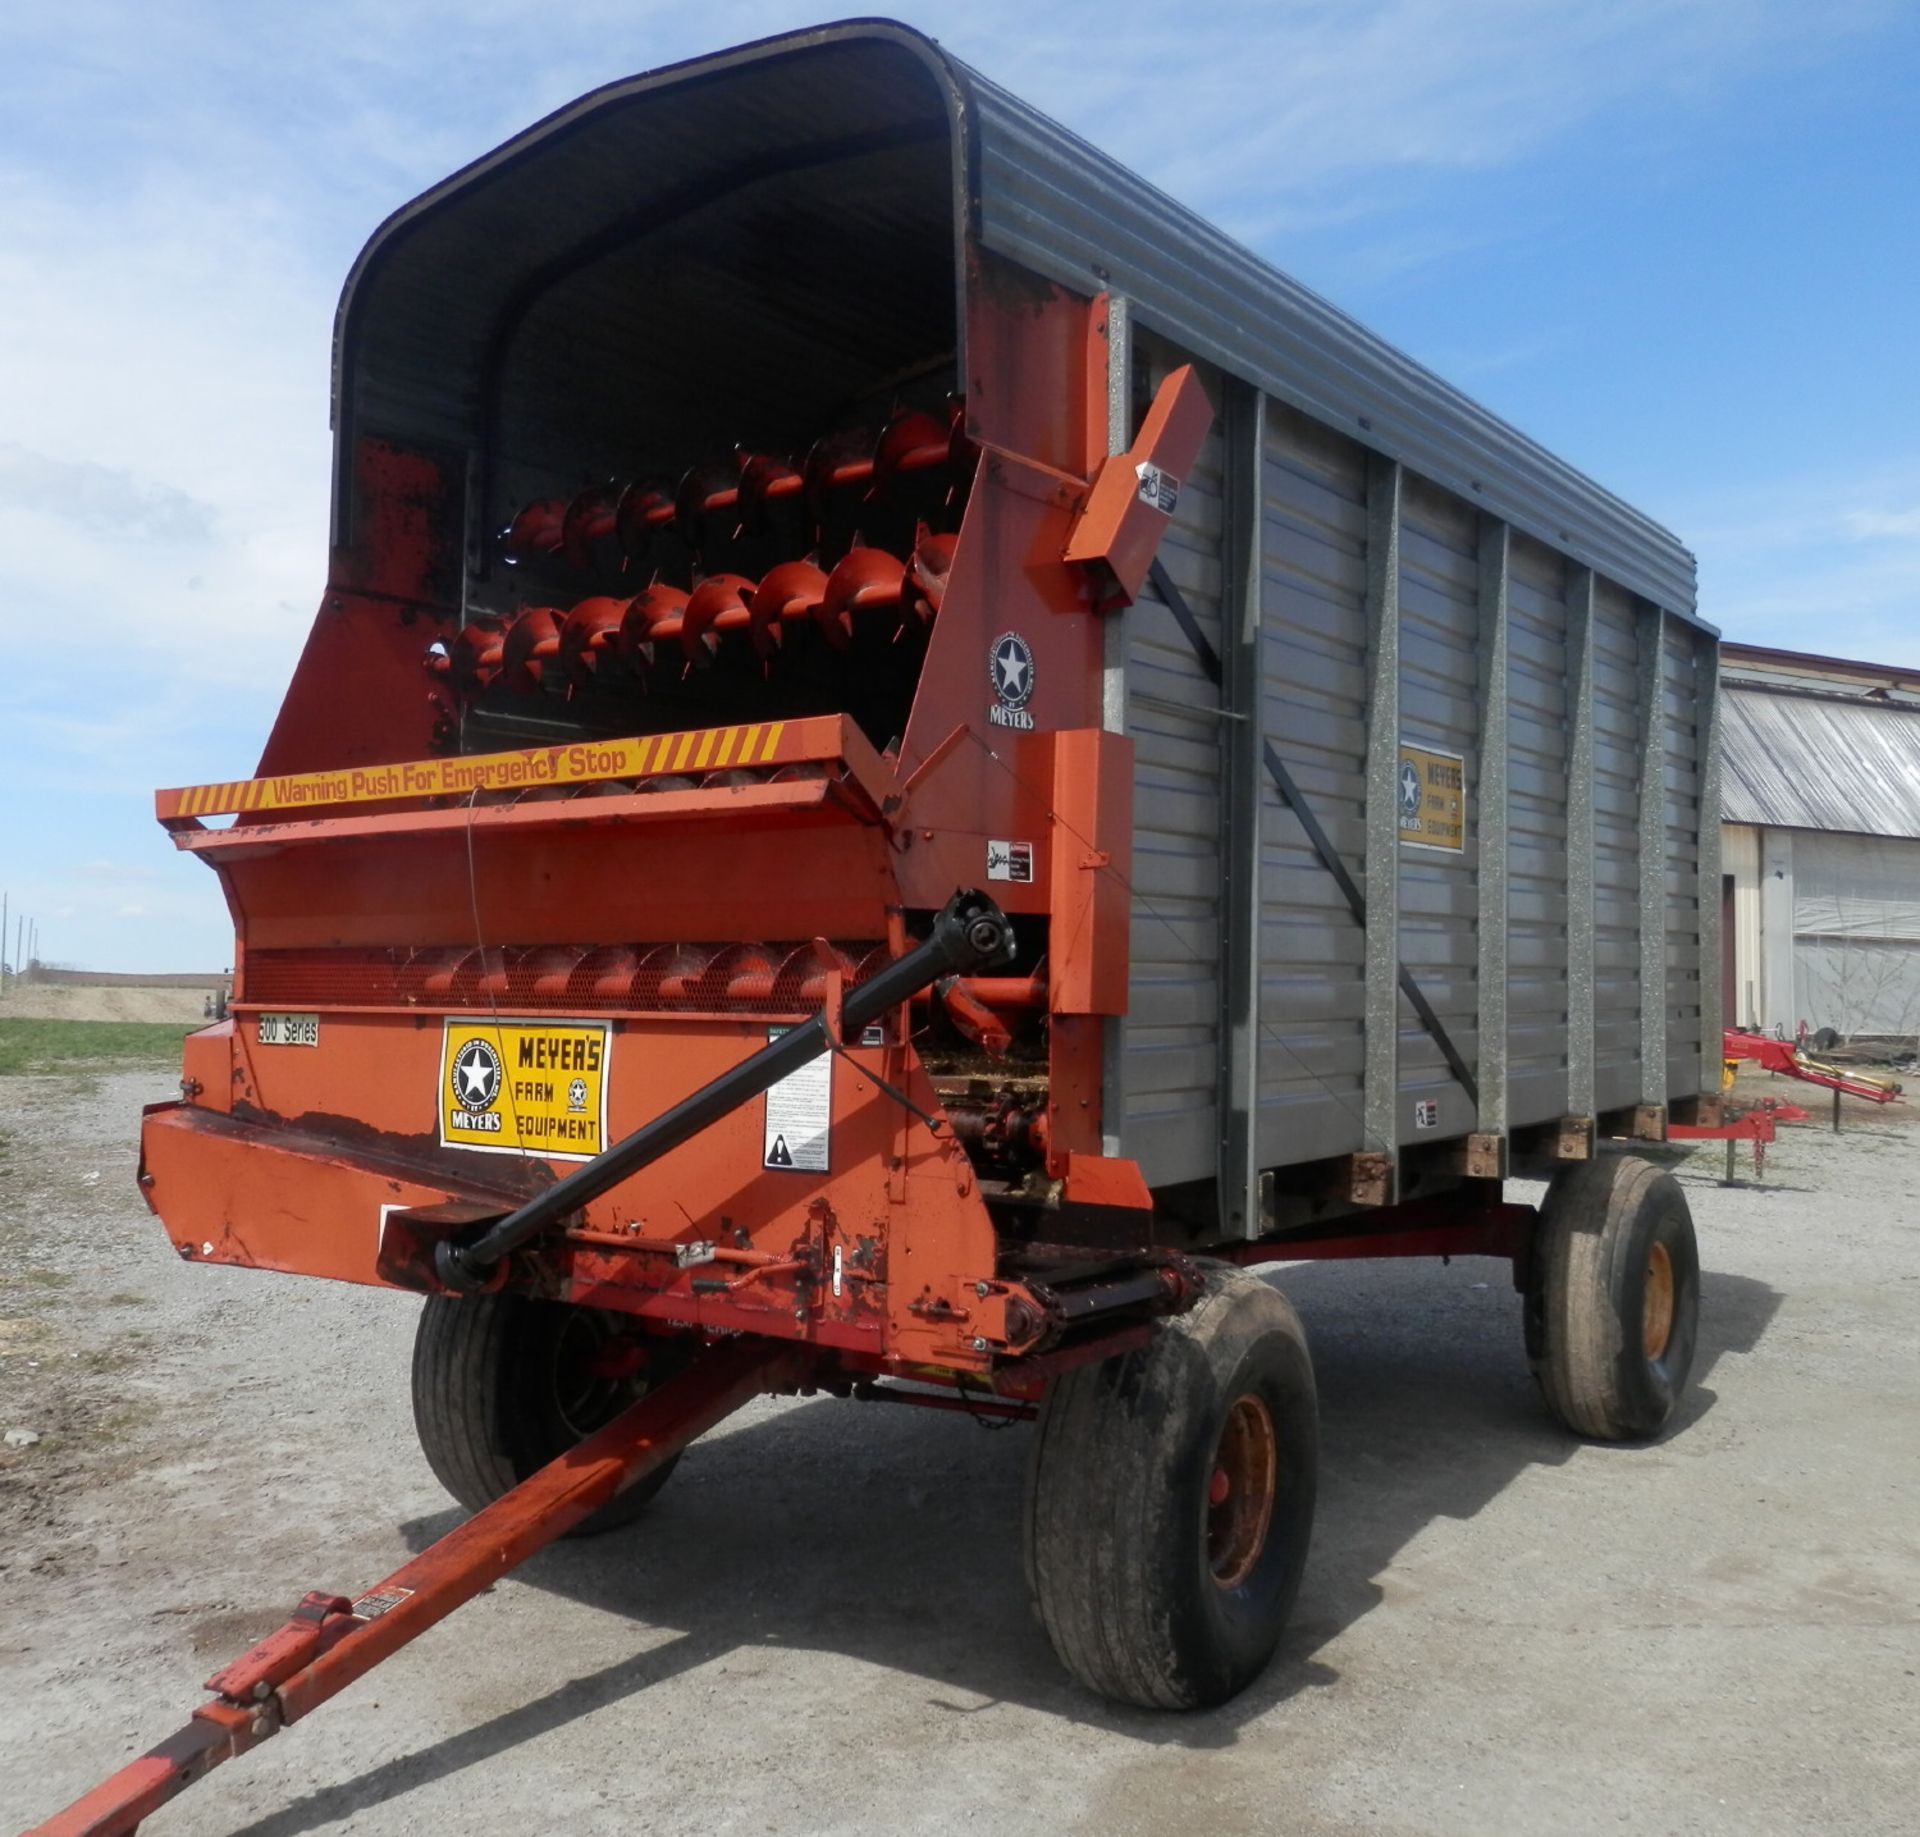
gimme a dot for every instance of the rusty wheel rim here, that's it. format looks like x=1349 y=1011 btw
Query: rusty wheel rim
x=1656 y=1309
x=1240 y=1491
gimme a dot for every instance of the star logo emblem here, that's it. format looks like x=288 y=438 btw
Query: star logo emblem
x=1012 y=670
x=1409 y=789
x=476 y=1075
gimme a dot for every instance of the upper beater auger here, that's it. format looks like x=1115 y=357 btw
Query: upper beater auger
x=667 y=630
x=634 y=515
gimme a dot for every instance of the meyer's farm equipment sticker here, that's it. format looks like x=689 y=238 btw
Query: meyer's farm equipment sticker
x=525 y=1087
x=1433 y=799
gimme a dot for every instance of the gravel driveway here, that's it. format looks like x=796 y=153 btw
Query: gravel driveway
x=821 y=1624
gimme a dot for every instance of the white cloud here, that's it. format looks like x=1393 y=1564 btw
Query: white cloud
x=1885 y=525
x=1800 y=565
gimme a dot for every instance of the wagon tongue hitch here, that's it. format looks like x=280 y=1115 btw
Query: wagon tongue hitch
x=331 y=1641
x=463 y=1247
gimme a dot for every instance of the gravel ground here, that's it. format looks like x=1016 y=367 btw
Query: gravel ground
x=821 y=1625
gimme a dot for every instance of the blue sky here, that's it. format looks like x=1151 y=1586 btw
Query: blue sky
x=1673 y=239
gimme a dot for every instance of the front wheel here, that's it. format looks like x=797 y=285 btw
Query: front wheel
x=1170 y=1501
x=503 y=1383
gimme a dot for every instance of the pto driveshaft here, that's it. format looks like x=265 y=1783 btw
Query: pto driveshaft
x=971 y=933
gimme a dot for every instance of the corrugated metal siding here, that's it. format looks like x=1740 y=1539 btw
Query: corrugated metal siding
x=1172 y=1061
x=1809 y=762
x=1681 y=715
x=1439 y=707
x=1313 y=693
x=1537 y=731
x=1856 y=924
x=1616 y=848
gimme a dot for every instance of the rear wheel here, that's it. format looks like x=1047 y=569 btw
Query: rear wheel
x=1613 y=1297
x=503 y=1383
x=1170 y=1501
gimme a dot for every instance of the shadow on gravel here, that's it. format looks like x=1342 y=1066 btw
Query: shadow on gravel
x=892 y=1536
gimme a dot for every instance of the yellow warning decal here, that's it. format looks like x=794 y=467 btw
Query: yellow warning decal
x=524 y=1087
x=586 y=762
x=1433 y=799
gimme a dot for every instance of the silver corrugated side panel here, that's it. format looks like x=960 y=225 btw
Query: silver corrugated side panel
x=1560 y=935
x=1683 y=820
x=1616 y=848
x=1168 y=1114
x=1439 y=711
x=1539 y=741
x=1312 y=706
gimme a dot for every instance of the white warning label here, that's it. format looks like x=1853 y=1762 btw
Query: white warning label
x=1160 y=489
x=1010 y=861
x=799 y=1112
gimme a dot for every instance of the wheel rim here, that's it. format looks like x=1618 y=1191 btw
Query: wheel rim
x=1240 y=1491
x=589 y=1388
x=1656 y=1310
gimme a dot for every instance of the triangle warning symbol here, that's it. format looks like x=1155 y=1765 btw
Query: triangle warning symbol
x=779 y=1155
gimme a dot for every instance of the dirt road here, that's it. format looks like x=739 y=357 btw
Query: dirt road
x=30 y=1001
x=820 y=1626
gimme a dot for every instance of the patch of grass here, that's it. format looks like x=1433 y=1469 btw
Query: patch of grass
x=45 y=1046
x=48 y=1278
x=118 y=1423
x=22 y=1335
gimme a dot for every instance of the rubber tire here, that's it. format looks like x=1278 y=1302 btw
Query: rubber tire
x=1115 y=1529
x=485 y=1402
x=1585 y=1292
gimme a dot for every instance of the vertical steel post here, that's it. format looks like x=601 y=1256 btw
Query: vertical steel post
x=1651 y=851
x=1706 y=691
x=1492 y=841
x=1777 y=902
x=1243 y=430
x=1580 y=1040
x=1381 y=1090
x=1113 y=692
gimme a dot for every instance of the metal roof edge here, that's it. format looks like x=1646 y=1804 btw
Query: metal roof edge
x=1190 y=280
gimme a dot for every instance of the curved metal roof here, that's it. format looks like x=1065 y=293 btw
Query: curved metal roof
x=1797 y=761
x=1024 y=188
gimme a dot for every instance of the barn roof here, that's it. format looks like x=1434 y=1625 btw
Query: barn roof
x=1799 y=761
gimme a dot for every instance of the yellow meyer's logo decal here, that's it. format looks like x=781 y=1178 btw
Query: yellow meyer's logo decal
x=525 y=1087
x=1432 y=799
x=709 y=749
